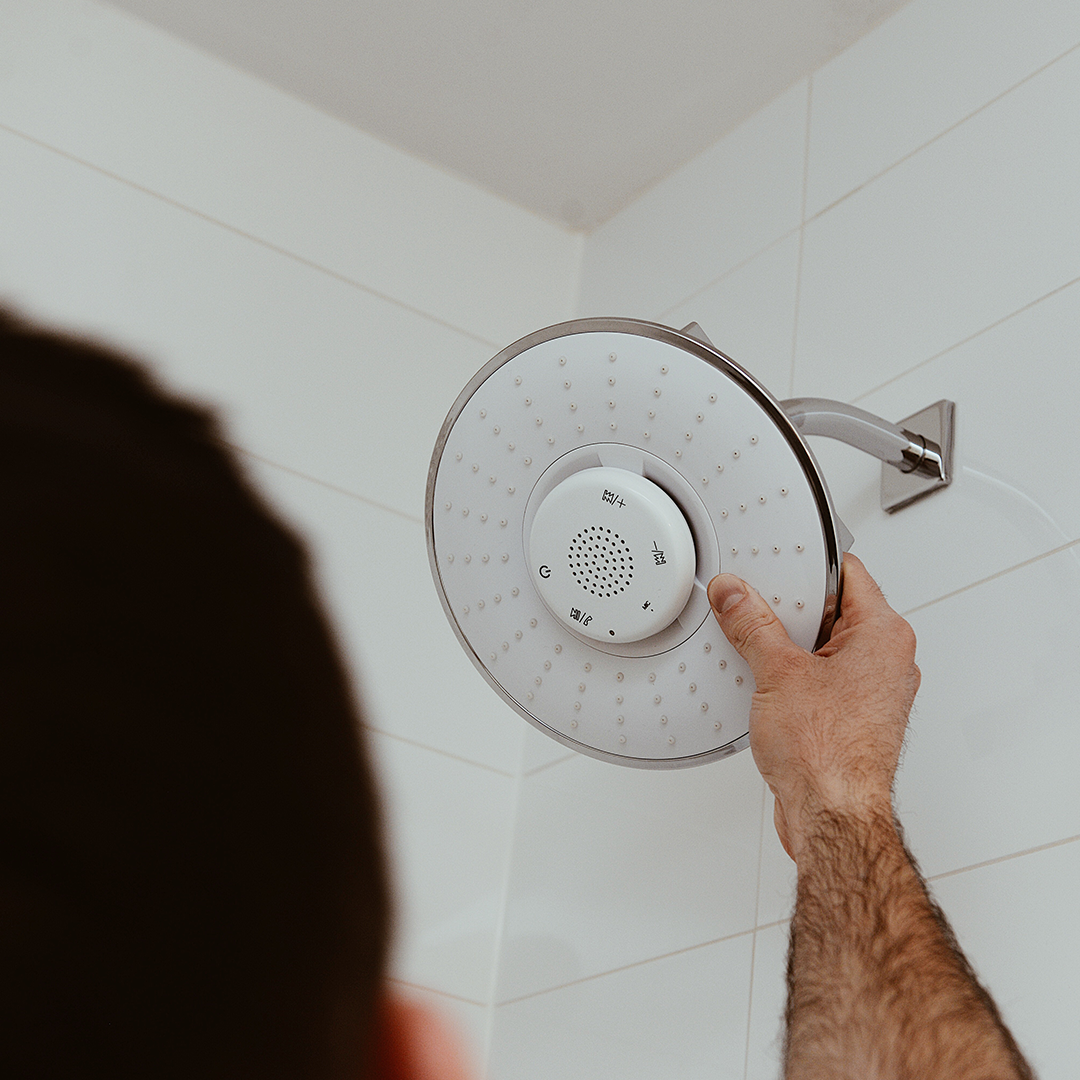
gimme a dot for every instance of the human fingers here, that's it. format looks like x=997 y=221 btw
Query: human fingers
x=863 y=603
x=862 y=596
x=749 y=624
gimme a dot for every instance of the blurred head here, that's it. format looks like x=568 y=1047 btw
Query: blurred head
x=192 y=880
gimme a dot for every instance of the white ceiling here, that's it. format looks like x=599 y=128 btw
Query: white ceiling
x=570 y=108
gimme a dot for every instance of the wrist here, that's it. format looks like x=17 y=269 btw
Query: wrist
x=867 y=822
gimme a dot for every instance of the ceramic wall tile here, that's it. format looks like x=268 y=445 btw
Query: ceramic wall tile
x=541 y=752
x=681 y=1016
x=749 y=314
x=972 y=228
x=720 y=209
x=311 y=373
x=417 y=681
x=990 y=761
x=1018 y=934
x=614 y=865
x=126 y=97
x=764 y=1056
x=777 y=878
x=1017 y=391
x=450 y=828
x=926 y=68
x=1016 y=922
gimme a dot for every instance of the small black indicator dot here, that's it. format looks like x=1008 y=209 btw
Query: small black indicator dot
x=611 y=632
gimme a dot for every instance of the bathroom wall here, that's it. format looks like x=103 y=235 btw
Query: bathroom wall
x=902 y=227
x=332 y=296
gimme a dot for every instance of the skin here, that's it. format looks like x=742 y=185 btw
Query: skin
x=414 y=1041
x=877 y=985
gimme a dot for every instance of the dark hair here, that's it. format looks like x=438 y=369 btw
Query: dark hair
x=192 y=880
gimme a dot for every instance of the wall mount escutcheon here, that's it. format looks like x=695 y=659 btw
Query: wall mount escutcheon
x=916 y=454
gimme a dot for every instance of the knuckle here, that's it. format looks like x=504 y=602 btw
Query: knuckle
x=747 y=630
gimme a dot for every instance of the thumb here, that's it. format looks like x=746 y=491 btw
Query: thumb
x=748 y=623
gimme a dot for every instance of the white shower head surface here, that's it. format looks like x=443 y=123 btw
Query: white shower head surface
x=585 y=487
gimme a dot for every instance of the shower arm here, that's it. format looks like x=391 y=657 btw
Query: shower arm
x=919 y=454
x=916 y=453
x=908 y=451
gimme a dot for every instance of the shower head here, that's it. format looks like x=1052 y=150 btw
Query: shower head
x=587 y=484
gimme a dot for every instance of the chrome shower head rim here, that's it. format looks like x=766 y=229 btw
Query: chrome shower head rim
x=686 y=343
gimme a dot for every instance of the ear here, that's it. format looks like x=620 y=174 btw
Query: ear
x=413 y=1041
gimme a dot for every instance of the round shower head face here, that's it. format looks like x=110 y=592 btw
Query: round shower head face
x=586 y=486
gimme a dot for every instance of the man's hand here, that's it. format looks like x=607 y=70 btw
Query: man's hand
x=826 y=728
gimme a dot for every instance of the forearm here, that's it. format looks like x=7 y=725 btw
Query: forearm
x=877 y=986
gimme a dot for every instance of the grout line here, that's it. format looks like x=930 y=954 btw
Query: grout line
x=431 y=990
x=266 y=244
x=579 y=276
x=945 y=131
x=757 y=911
x=750 y=1004
x=1006 y=858
x=436 y=750
x=992 y=577
x=500 y=924
x=626 y=967
x=795 y=320
x=324 y=483
x=761 y=848
x=966 y=340
x=806 y=146
x=802 y=235
x=774 y=923
x=549 y=765
x=727 y=273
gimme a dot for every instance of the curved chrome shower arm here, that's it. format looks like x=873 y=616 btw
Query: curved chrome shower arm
x=909 y=451
x=920 y=453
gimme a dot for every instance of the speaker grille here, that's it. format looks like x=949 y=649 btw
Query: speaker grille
x=601 y=561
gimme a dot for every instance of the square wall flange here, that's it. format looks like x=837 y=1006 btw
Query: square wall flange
x=936 y=423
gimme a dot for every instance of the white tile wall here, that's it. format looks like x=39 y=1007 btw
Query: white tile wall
x=769 y=992
x=313 y=373
x=1014 y=497
x=970 y=229
x=114 y=92
x=937 y=255
x=991 y=758
x=776 y=888
x=750 y=312
x=680 y=1016
x=373 y=566
x=925 y=69
x=613 y=865
x=450 y=824
x=707 y=217
x=1015 y=920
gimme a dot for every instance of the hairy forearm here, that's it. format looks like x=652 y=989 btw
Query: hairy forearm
x=877 y=986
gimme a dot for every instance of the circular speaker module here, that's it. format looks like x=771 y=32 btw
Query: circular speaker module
x=585 y=487
x=611 y=555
